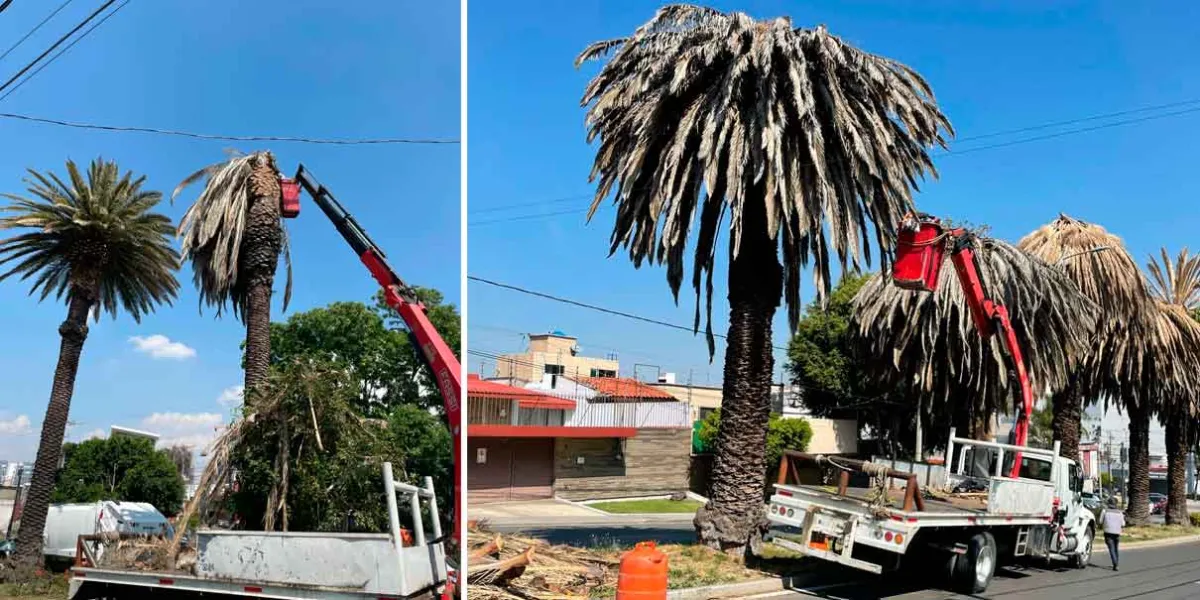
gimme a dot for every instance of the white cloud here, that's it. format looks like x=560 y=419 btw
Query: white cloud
x=16 y=426
x=95 y=434
x=187 y=429
x=160 y=346
x=231 y=396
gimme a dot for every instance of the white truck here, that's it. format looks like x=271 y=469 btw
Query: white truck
x=973 y=516
x=66 y=522
x=293 y=565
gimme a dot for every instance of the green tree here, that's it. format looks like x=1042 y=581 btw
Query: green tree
x=371 y=342
x=782 y=434
x=804 y=140
x=120 y=468
x=233 y=235
x=309 y=462
x=95 y=244
x=1041 y=427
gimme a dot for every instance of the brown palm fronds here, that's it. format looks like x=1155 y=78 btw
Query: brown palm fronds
x=927 y=342
x=701 y=112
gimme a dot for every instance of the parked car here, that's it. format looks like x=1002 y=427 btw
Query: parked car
x=1158 y=504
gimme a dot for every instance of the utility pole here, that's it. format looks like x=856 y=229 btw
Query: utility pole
x=918 y=453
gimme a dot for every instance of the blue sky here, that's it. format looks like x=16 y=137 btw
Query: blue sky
x=302 y=68
x=995 y=66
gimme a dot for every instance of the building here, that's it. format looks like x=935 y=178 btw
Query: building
x=577 y=438
x=116 y=431
x=554 y=353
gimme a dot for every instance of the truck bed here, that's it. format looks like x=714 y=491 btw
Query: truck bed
x=938 y=511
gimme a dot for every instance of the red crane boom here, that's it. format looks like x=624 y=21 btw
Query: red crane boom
x=433 y=350
x=920 y=250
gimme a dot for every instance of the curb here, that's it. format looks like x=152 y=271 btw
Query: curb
x=728 y=590
x=1186 y=539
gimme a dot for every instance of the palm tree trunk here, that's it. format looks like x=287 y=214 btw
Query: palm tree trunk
x=1177 y=451
x=259 y=257
x=735 y=515
x=74 y=331
x=1137 y=507
x=1068 y=415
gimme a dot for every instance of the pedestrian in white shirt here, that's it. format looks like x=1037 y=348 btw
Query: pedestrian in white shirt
x=1114 y=520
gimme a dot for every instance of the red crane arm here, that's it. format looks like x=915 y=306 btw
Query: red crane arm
x=919 y=252
x=398 y=295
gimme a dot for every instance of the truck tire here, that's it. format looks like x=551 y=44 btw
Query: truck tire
x=1083 y=557
x=973 y=571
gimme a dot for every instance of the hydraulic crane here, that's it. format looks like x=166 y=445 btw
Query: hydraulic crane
x=432 y=349
x=921 y=246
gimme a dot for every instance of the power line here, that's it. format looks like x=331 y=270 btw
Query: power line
x=5 y=5
x=594 y=307
x=62 y=39
x=947 y=153
x=64 y=50
x=538 y=203
x=527 y=217
x=35 y=28
x=234 y=138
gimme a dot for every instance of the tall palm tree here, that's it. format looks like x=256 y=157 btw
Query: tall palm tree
x=233 y=235
x=93 y=243
x=928 y=343
x=1099 y=264
x=1177 y=286
x=789 y=130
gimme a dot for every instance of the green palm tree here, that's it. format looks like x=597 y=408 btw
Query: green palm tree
x=233 y=235
x=1177 y=286
x=93 y=243
x=803 y=139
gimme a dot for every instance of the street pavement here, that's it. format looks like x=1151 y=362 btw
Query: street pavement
x=1161 y=573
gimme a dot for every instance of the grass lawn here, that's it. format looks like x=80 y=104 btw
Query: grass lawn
x=1145 y=533
x=662 y=505
x=51 y=586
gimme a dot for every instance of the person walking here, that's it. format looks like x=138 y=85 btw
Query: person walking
x=1114 y=520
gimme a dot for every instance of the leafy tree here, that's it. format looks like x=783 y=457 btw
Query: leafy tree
x=370 y=341
x=120 y=468
x=94 y=243
x=782 y=434
x=233 y=235
x=802 y=139
x=1041 y=427
x=309 y=462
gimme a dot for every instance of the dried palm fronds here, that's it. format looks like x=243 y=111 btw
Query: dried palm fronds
x=1177 y=283
x=927 y=342
x=213 y=227
x=529 y=568
x=703 y=112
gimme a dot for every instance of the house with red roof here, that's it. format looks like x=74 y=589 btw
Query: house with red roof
x=574 y=437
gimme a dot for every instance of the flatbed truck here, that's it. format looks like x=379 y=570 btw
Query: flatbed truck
x=977 y=515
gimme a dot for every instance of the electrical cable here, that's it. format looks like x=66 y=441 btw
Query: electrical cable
x=35 y=29
x=594 y=307
x=947 y=153
x=235 y=138
x=64 y=50
x=62 y=39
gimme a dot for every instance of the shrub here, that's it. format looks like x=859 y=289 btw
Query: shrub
x=1195 y=519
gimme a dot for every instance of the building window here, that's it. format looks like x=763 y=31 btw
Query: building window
x=554 y=369
x=603 y=373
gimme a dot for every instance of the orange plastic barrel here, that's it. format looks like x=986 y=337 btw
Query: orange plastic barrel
x=643 y=574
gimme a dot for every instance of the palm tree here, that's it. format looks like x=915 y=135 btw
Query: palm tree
x=93 y=243
x=928 y=343
x=233 y=235
x=790 y=130
x=1177 y=286
x=1098 y=263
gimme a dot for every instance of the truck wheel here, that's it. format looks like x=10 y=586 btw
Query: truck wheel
x=1083 y=557
x=974 y=570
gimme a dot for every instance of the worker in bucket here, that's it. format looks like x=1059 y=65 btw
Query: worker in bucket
x=1114 y=520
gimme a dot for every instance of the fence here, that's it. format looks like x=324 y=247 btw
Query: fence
x=630 y=414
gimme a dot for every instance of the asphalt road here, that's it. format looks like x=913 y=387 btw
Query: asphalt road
x=1167 y=572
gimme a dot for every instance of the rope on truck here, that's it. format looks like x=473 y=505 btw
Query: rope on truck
x=877 y=499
